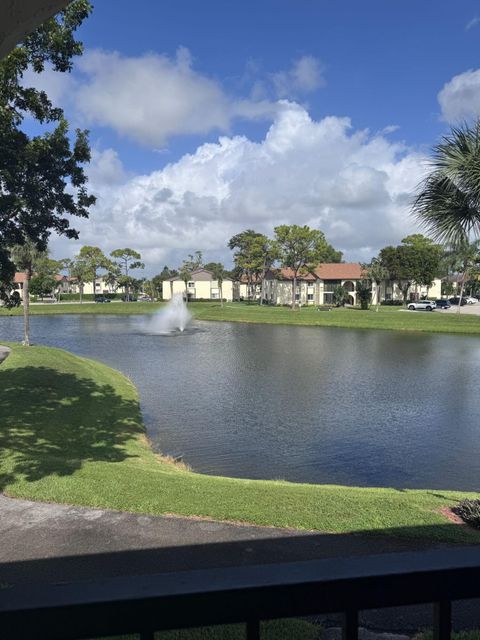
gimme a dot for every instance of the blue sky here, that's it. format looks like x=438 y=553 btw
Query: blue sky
x=161 y=79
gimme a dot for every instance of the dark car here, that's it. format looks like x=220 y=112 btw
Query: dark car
x=102 y=299
x=457 y=301
x=443 y=304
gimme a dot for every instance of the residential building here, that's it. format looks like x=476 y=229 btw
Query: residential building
x=317 y=286
x=201 y=286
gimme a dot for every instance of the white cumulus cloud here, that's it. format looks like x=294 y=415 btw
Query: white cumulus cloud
x=153 y=97
x=459 y=98
x=354 y=186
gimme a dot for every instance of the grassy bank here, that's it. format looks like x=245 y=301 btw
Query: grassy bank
x=89 y=308
x=71 y=431
x=392 y=318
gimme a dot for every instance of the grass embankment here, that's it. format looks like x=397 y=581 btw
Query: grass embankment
x=88 y=308
x=71 y=431
x=390 y=318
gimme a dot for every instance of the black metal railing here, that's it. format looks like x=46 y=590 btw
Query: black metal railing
x=249 y=594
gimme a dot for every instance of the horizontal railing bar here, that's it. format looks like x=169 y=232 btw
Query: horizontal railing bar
x=239 y=594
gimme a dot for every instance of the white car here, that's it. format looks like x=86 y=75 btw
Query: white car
x=422 y=305
x=471 y=300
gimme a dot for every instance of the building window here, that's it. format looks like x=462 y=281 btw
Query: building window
x=297 y=296
x=309 y=296
x=215 y=295
x=191 y=285
x=328 y=298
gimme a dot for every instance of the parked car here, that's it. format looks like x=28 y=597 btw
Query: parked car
x=129 y=298
x=144 y=299
x=422 y=305
x=471 y=300
x=457 y=301
x=443 y=304
x=102 y=299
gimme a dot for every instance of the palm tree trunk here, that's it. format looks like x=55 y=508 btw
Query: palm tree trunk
x=294 y=292
x=461 y=293
x=221 y=294
x=26 y=308
x=378 y=297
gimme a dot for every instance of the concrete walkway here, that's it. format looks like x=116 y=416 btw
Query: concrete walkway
x=4 y=353
x=57 y=543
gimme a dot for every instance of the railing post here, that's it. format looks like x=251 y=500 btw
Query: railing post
x=442 y=620
x=350 y=625
x=253 y=630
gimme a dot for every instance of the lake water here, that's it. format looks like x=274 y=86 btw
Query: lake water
x=307 y=404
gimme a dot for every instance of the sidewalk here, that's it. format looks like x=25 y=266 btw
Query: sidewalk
x=59 y=543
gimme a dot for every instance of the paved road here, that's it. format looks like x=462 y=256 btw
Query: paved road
x=57 y=543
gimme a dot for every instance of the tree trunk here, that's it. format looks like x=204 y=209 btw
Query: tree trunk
x=378 y=297
x=26 y=308
x=294 y=292
x=221 y=293
x=186 y=293
x=461 y=294
x=80 y=288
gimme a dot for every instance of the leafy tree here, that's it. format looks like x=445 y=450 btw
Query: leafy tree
x=113 y=276
x=94 y=259
x=8 y=296
x=82 y=274
x=156 y=284
x=447 y=288
x=127 y=259
x=25 y=256
x=42 y=178
x=193 y=263
x=448 y=202
x=416 y=260
x=44 y=281
x=377 y=273
x=364 y=293
x=42 y=285
x=248 y=256
x=301 y=249
x=340 y=295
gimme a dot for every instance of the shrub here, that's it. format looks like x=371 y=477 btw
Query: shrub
x=469 y=512
x=392 y=303
x=89 y=297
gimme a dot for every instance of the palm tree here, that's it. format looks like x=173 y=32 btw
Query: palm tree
x=464 y=259
x=448 y=202
x=25 y=256
x=378 y=274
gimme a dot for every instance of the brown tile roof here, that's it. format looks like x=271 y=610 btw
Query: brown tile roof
x=339 y=271
x=20 y=277
x=285 y=273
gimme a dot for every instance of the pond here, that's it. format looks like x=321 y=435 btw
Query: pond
x=306 y=404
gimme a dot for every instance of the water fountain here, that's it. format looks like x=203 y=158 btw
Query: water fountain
x=174 y=317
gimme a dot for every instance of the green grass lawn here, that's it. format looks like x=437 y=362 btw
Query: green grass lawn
x=71 y=431
x=111 y=308
x=392 y=318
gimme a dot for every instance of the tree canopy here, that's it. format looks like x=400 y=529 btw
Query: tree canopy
x=42 y=177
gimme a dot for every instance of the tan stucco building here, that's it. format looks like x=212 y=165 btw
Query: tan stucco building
x=316 y=287
x=201 y=286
